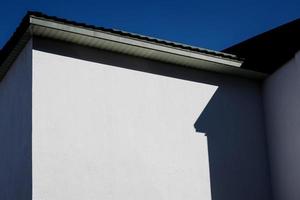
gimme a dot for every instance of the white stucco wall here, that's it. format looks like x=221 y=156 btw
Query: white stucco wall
x=282 y=110
x=104 y=132
x=15 y=128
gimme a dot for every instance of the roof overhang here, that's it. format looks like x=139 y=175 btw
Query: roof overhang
x=269 y=51
x=126 y=44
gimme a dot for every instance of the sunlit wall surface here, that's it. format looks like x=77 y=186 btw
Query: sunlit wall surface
x=105 y=132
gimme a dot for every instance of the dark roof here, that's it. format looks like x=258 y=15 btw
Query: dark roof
x=270 y=50
x=4 y=52
x=12 y=42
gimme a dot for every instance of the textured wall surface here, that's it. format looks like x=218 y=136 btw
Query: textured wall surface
x=282 y=108
x=111 y=126
x=15 y=129
x=105 y=132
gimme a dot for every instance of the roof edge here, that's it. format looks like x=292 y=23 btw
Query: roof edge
x=35 y=23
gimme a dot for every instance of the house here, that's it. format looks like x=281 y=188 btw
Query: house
x=95 y=113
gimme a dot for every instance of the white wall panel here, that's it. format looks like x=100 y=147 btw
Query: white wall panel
x=105 y=132
x=282 y=108
x=15 y=128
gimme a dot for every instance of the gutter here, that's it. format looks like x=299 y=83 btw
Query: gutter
x=37 y=24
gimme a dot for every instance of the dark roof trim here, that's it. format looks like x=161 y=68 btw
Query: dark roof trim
x=270 y=50
x=10 y=45
x=36 y=23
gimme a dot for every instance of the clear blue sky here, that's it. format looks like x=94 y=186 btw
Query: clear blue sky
x=204 y=23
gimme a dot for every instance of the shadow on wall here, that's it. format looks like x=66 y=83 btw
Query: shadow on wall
x=232 y=120
x=15 y=129
x=236 y=146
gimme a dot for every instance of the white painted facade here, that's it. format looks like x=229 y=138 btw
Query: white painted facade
x=89 y=113
x=282 y=108
x=112 y=126
x=101 y=131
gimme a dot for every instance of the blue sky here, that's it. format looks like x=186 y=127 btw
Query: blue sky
x=204 y=23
